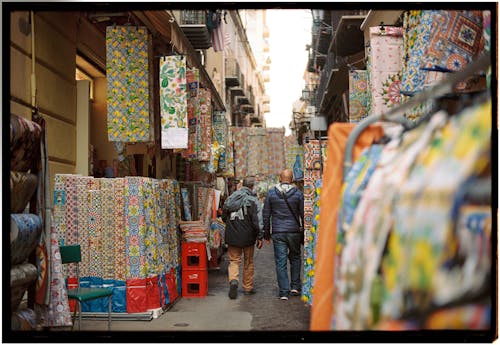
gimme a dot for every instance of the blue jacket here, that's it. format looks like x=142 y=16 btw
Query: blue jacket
x=242 y=213
x=276 y=211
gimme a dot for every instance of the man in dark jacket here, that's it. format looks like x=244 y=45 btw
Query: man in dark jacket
x=286 y=232
x=242 y=213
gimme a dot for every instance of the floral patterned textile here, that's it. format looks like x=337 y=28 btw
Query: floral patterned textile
x=25 y=230
x=385 y=58
x=220 y=139
x=22 y=187
x=119 y=206
x=454 y=42
x=292 y=150
x=275 y=156
x=229 y=159
x=310 y=247
x=205 y=125
x=95 y=232
x=127 y=67
x=173 y=103
x=193 y=113
x=358 y=95
x=25 y=136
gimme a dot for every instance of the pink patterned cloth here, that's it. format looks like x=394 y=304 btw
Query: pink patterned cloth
x=385 y=61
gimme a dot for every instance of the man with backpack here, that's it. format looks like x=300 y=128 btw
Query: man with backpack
x=242 y=213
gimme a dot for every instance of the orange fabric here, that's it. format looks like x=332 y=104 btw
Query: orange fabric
x=338 y=133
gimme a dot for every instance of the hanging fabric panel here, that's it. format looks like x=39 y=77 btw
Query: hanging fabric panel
x=294 y=154
x=229 y=169
x=22 y=187
x=205 y=125
x=127 y=71
x=386 y=49
x=358 y=95
x=454 y=42
x=220 y=137
x=275 y=156
x=312 y=173
x=256 y=152
x=240 y=151
x=322 y=308
x=193 y=112
x=310 y=241
x=173 y=102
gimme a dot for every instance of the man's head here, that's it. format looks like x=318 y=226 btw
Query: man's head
x=249 y=182
x=286 y=176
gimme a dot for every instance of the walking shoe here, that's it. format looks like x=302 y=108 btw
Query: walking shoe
x=249 y=292
x=284 y=298
x=233 y=289
x=294 y=292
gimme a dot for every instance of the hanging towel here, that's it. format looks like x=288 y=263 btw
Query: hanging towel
x=22 y=187
x=173 y=102
x=127 y=71
x=25 y=230
x=25 y=136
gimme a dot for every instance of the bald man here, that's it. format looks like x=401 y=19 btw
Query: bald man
x=283 y=216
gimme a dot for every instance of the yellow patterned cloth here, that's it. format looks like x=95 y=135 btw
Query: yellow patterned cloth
x=127 y=72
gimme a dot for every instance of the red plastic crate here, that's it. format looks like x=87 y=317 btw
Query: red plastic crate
x=194 y=283
x=194 y=256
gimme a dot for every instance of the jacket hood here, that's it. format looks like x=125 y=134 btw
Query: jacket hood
x=289 y=189
x=237 y=199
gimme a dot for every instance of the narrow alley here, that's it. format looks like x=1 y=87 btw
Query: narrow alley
x=263 y=311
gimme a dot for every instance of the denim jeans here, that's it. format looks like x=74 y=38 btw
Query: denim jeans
x=287 y=247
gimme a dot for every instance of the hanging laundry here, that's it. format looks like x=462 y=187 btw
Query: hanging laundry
x=173 y=102
x=385 y=58
x=127 y=71
x=358 y=95
x=455 y=41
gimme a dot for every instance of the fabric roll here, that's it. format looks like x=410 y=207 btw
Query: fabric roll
x=108 y=228
x=25 y=230
x=205 y=125
x=119 y=252
x=186 y=203
x=150 y=237
x=385 y=56
x=95 y=233
x=22 y=187
x=24 y=320
x=83 y=216
x=454 y=42
x=25 y=140
x=470 y=317
x=21 y=277
x=127 y=67
x=71 y=218
x=160 y=187
x=193 y=113
x=322 y=307
x=135 y=227
x=173 y=102
x=358 y=95
x=275 y=156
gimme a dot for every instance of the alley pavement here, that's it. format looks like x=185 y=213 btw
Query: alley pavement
x=263 y=311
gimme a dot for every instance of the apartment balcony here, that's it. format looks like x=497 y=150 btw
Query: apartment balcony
x=349 y=38
x=266 y=99
x=266 y=108
x=233 y=73
x=194 y=25
x=241 y=100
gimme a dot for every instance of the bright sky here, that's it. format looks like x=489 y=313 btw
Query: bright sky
x=289 y=32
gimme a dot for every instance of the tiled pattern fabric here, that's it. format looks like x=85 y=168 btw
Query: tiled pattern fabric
x=22 y=187
x=108 y=227
x=119 y=206
x=275 y=156
x=193 y=113
x=205 y=125
x=455 y=40
x=95 y=232
x=240 y=151
x=25 y=136
x=229 y=169
x=173 y=102
x=135 y=227
x=310 y=247
x=127 y=67
x=292 y=149
x=25 y=230
x=386 y=49
x=358 y=95
x=417 y=25
x=83 y=218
